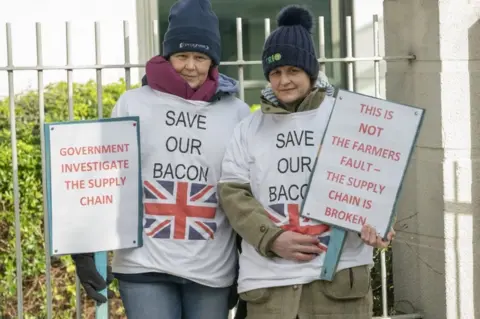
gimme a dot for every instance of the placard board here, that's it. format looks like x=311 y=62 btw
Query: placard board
x=93 y=185
x=361 y=163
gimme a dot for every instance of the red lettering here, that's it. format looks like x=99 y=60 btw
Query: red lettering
x=75 y=184
x=92 y=150
x=370 y=110
x=96 y=200
x=340 y=141
x=94 y=166
x=345 y=216
x=370 y=129
x=344 y=198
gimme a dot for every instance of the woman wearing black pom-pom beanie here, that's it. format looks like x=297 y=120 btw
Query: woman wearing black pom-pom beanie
x=264 y=176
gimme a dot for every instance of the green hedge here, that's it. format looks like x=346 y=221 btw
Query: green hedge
x=31 y=205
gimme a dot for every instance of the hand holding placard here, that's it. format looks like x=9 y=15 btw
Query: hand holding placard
x=370 y=237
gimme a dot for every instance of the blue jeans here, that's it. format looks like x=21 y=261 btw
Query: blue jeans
x=173 y=298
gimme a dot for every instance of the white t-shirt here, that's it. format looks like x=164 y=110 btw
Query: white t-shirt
x=275 y=153
x=183 y=142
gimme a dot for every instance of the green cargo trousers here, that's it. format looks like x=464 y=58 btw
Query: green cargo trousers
x=348 y=296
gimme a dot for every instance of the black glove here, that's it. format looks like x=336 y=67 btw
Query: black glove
x=241 y=310
x=90 y=279
x=233 y=296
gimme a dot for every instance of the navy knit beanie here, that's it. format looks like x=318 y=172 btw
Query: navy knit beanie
x=291 y=43
x=192 y=27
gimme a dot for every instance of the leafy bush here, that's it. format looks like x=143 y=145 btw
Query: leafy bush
x=31 y=206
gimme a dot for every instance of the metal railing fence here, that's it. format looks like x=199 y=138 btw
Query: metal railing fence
x=69 y=68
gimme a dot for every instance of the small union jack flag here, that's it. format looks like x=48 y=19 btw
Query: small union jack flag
x=287 y=216
x=179 y=210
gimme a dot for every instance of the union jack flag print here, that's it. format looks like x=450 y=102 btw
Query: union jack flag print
x=179 y=210
x=287 y=216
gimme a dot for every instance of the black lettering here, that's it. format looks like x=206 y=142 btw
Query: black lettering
x=157 y=170
x=309 y=138
x=280 y=137
x=171 y=144
x=293 y=192
x=282 y=166
x=181 y=119
x=170 y=118
x=187 y=120
x=272 y=193
x=196 y=144
x=306 y=162
x=287 y=193
x=169 y=172
x=295 y=138
x=289 y=140
x=303 y=190
x=180 y=172
x=183 y=145
x=294 y=164
x=202 y=122
x=282 y=193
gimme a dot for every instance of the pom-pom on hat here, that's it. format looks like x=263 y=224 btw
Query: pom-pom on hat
x=291 y=43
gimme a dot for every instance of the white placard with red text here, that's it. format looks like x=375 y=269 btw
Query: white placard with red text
x=360 y=167
x=93 y=185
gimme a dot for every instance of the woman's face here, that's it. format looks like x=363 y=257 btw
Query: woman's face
x=289 y=83
x=192 y=66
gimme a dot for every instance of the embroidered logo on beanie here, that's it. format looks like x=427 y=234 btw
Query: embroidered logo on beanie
x=274 y=58
x=184 y=45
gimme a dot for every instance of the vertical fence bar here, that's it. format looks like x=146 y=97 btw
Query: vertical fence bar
x=376 y=67
x=16 y=196
x=155 y=39
x=267 y=28
x=98 y=61
x=383 y=272
x=126 y=50
x=240 y=58
x=68 y=34
x=321 y=41
x=348 y=28
x=16 y=193
x=376 y=53
x=41 y=111
x=68 y=40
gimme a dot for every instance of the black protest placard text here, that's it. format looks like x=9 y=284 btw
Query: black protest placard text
x=291 y=140
x=188 y=123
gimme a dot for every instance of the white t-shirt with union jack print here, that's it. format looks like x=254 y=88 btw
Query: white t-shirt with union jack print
x=182 y=143
x=275 y=153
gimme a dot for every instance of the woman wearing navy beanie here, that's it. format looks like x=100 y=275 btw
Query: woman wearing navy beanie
x=282 y=253
x=187 y=265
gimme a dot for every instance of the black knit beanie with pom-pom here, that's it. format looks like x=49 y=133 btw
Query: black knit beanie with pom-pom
x=291 y=43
